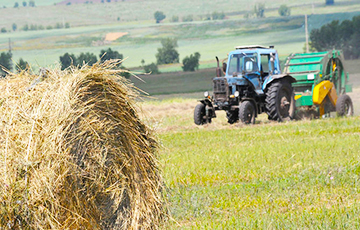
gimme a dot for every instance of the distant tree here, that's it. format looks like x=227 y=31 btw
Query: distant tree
x=159 y=16
x=67 y=60
x=88 y=58
x=14 y=27
x=3 y=30
x=284 y=10
x=21 y=65
x=33 y=27
x=67 y=25
x=109 y=54
x=191 y=63
x=217 y=16
x=108 y=0
x=68 y=4
x=151 y=68
x=174 y=18
x=24 y=4
x=5 y=62
x=58 y=25
x=16 y=5
x=25 y=27
x=41 y=27
x=259 y=10
x=49 y=27
x=188 y=18
x=167 y=53
x=329 y=2
x=32 y=3
x=102 y=1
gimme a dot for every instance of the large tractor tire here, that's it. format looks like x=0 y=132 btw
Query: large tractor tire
x=344 y=106
x=247 y=112
x=232 y=116
x=280 y=101
x=200 y=115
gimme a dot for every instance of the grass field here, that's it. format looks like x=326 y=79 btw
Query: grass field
x=91 y=22
x=295 y=175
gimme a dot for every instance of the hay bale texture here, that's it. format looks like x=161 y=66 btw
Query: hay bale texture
x=74 y=154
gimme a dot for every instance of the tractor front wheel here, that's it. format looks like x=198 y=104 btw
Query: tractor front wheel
x=247 y=112
x=280 y=102
x=200 y=115
x=344 y=106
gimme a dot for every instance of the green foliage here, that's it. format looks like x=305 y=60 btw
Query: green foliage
x=329 y=2
x=67 y=25
x=5 y=62
x=191 y=63
x=284 y=10
x=25 y=27
x=218 y=15
x=174 y=18
x=14 y=27
x=167 y=53
x=86 y=58
x=32 y=3
x=188 y=18
x=159 y=16
x=21 y=65
x=151 y=68
x=259 y=10
x=109 y=54
x=67 y=60
x=343 y=36
x=24 y=3
x=3 y=30
x=16 y=5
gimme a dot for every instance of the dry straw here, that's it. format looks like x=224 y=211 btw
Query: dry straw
x=74 y=154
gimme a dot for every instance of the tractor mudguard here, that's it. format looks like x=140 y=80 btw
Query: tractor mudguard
x=209 y=107
x=272 y=78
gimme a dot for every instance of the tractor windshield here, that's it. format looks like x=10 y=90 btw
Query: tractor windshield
x=243 y=63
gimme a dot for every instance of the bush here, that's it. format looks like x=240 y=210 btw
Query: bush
x=151 y=68
x=191 y=63
x=188 y=18
x=3 y=30
x=21 y=65
x=5 y=61
x=284 y=11
x=218 y=16
x=174 y=18
x=67 y=60
x=259 y=10
x=14 y=27
x=32 y=3
x=88 y=58
x=167 y=54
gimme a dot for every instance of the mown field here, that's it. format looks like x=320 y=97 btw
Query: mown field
x=295 y=175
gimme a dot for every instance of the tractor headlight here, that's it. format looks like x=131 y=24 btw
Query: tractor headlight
x=206 y=94
x=236 y=94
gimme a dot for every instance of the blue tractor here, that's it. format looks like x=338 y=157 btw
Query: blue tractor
x=253 y=84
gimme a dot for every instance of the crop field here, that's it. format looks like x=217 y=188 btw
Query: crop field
x=294 y=175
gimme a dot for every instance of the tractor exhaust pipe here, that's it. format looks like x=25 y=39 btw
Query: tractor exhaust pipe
x=218 y=70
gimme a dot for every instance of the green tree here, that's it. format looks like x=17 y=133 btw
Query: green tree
x=21 y=65
x=167 y=53
x=159 y=16
x=16 y=5
x=14 y=27
x=25 y=27
x=24 y=4
x=188 y=18
x=217 y=16
x=259 y=10
x=32 y=3
x=191 y=63
x=151 y=68
x=174 y=18
x=88 y=58
x=67 y=60
x=5 y=62
x=3 y=30
x=284 y=11
x=329 y=2
x=109 y=54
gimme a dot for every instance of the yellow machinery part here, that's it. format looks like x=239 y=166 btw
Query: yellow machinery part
x=321 y=90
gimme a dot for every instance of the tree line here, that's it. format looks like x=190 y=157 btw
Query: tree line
x=336 y=35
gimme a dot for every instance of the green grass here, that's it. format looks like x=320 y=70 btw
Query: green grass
x=297 y=175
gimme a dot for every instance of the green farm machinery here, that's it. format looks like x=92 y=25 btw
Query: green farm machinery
x=321 y=84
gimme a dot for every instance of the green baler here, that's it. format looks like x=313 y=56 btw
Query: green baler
x=321 y=83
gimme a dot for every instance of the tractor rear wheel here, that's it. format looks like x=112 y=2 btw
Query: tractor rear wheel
x=344 y=106
x=247 y=112
x=280 y=102
x=200 y=115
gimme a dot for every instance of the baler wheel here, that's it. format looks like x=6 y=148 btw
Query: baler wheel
x=247 y=112
x=280 y=102
x=200 y=115
x=344 y=106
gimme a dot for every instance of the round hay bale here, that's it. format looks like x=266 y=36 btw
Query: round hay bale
x=75 y=155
